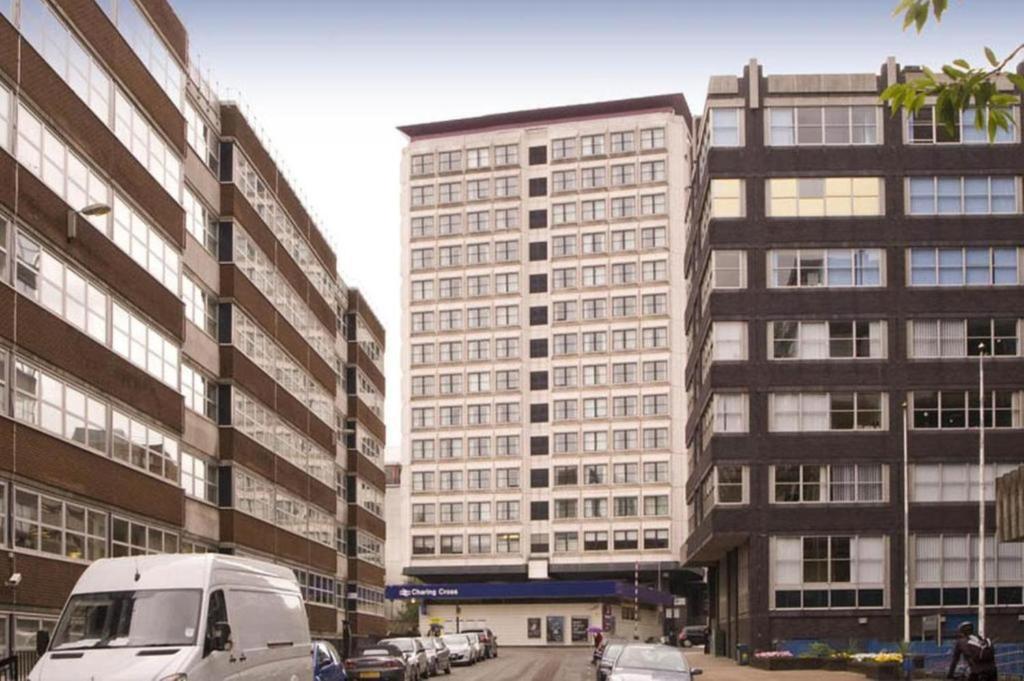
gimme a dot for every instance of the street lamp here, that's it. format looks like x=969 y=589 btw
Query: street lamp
x=981 y=489
x=906 y=531
x=92 y=210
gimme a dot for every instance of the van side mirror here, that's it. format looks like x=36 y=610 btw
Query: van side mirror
x=220 y=636
x=42 y=642
x=697 y=671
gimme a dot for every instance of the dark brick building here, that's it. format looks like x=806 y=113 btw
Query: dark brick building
x=181 y=367
x=843 y=262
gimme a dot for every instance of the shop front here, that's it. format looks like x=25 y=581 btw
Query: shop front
x=540 y=613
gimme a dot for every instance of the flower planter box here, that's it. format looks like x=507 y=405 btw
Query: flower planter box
x=880 y=671
x=787 y=663
x=836 y=664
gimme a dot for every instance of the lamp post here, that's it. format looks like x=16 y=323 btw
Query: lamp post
x=92 y=210
x=981 y=489
x=906 y=531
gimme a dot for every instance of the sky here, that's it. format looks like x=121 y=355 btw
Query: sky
x=328 y=81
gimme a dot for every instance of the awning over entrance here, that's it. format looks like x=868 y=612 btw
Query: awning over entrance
x=528 y=591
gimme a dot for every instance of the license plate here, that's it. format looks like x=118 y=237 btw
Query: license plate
x=369 y=675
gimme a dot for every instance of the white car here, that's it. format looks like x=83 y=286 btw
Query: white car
x=205 y=617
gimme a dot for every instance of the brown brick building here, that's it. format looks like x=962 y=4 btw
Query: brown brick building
x=181 y=367
x=842 y=263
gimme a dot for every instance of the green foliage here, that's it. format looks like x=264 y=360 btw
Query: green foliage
x=916 y=11
x=960 y=85
x=819 y=649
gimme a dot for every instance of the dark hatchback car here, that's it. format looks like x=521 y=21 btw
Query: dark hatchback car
x=327 y=664
x=652 y=662
x=693 y=635
x=383 y=662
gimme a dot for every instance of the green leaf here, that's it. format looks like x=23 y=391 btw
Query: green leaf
x=1016 y=79
x=955 y=74
x=992 y=59
x=962 y=63
x=939 y=6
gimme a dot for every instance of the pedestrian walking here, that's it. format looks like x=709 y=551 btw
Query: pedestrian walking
x=976 y=651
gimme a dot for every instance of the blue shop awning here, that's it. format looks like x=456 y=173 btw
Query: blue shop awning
x=538 y=590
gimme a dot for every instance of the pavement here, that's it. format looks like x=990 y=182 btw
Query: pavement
x=573 y=664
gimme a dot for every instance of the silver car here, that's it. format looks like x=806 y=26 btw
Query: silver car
x=460 y=650
x=438 y=656
x=414 y=652
x=477 y=645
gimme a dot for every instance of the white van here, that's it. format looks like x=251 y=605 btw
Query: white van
x=203 y=617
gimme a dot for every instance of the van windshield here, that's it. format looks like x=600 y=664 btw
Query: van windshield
x=129 y=619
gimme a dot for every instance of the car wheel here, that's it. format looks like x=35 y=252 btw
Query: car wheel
x=687 y=644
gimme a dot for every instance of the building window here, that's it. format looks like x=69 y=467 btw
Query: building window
x=959 y=338
x=828 y=572
x=832 y=268
x=823 y=125
x=655 y=539
x=834 y=484
x=129 y=538
x=726 y=198
x=200 y=221
x=51 y=525
x=199 y=391
x=945 y=571
x=507 y=543
x=725 y=127
x=958 y=409
x=923 y=127
x=591 y=145
x=423 y=546
x=982 y=195
x=622 y=142
x=199 y=477
x=954 y=482
x=970 y=266
x=815 y=412
x=826 y=340
x=422 y=164
x=656 y=505
x=729 y=412
x=563 y=148
x=728 y=269
x=824 y=196
x=652 y=138
x=200 y=305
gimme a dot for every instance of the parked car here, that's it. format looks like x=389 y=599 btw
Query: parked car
x=652 y=662
x=477 y=645
x=208 y=617
x=437 y=655
x=382 y=662
x=415 y=654
x=460 y=649
x=489 y=640
x=610 y=651
x=327 y=665
x=694 y=635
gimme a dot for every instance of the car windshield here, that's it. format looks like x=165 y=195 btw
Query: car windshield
x=404 y=644
x=129 y=619
x=611 y=651
x=455 y=641
x=661 y=658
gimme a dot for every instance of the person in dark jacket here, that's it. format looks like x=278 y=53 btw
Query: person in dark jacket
x=977 y=652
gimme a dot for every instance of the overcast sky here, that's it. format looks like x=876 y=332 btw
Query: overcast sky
x=329 y=80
